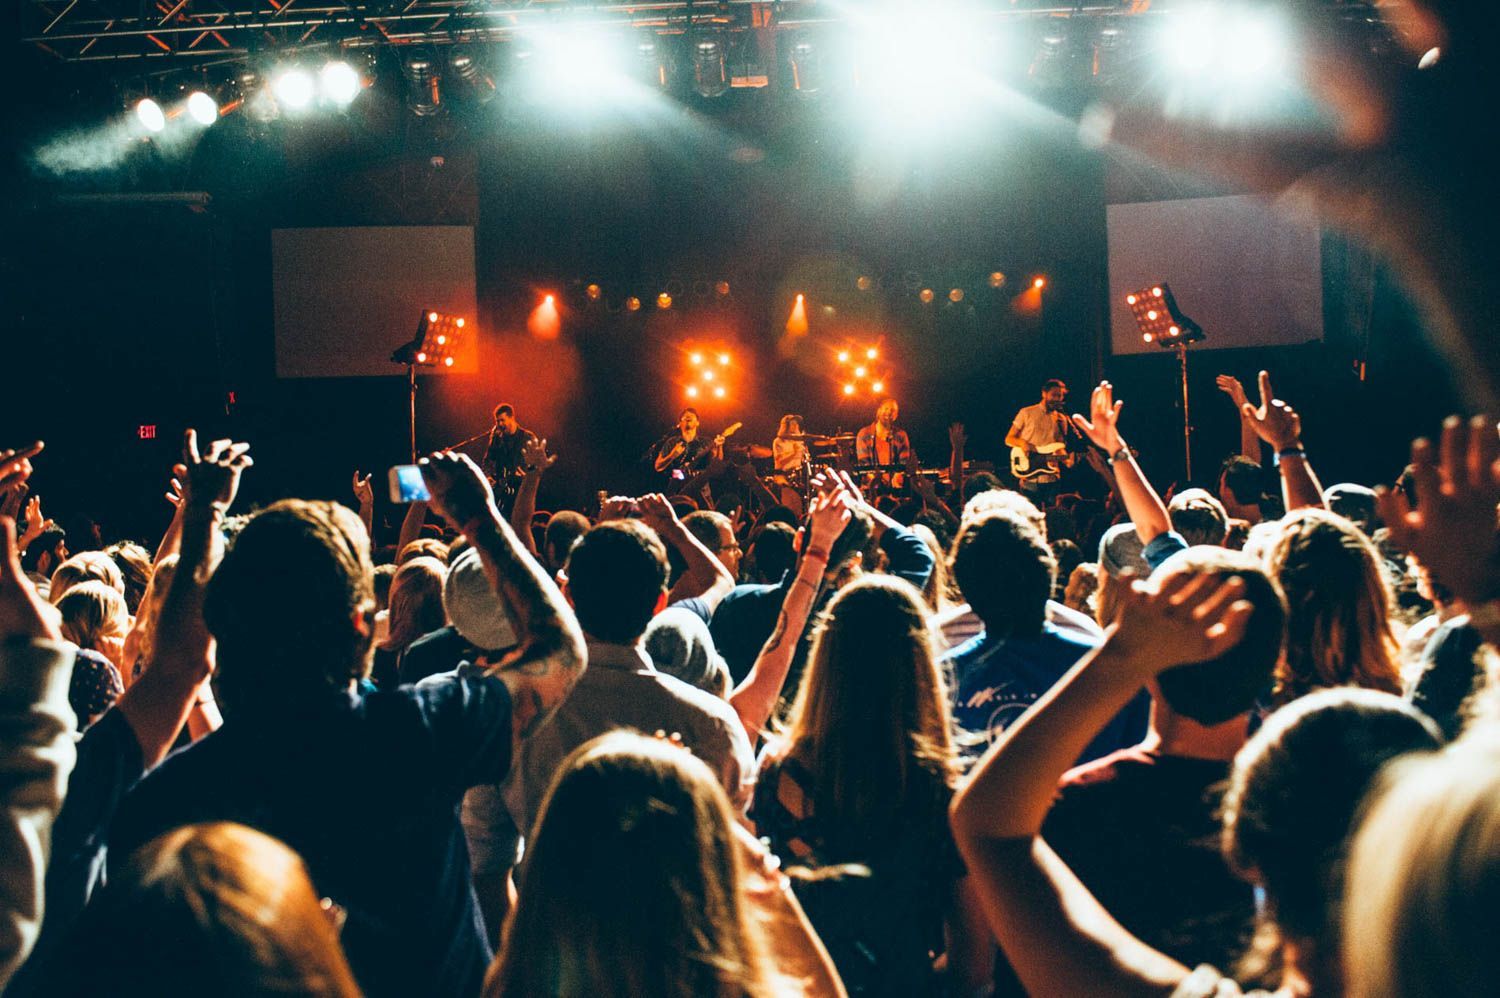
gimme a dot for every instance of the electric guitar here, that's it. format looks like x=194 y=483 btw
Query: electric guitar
x=665 y=462
x=1050 y=459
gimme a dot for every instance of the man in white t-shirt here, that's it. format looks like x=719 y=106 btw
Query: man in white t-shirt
x=1038 y=430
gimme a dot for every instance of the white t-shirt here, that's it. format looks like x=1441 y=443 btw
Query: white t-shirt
x=1038 y=427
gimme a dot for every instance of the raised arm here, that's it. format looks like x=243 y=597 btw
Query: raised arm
x=1278 y=424
x=755 y=698
x=536 y=459
x=1249 y=441
x=956 y=440
x=705 y=577
x=173 y=536
x=550 y=655
x=1147 y=512
x=364 y=494
x=157 y=705
x=411 y=525
x=1058 y=937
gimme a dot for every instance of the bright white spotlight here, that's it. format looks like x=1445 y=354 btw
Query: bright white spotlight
x=1259 y=44
x=919 y=68
x=202 y=108
x=150 y=114
x=578 y=66
x=1193 y=39
x=293 y=88
x=339 y=82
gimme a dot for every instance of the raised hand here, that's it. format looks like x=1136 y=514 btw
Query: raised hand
x=459 y=490
x=1182 y=618
x=827 y=516
x=23 y=614
x=956 y=436
x=212 y=479
x=1273 y=420
x=35 y=522
x=364 y=492
x=534 y=454
x=1102 y=425
x=657 y=513
x=1230 y=385
x=15 y=466
x=616 y=508
x=1452 y=532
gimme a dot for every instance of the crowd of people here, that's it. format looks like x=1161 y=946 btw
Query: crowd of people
x=1243 y=738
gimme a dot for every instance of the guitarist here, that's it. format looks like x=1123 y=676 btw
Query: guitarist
x=683 y=452
x=503 y=463
x=1046 y=442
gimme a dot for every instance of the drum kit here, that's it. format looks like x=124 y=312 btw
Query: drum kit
x=825 y=450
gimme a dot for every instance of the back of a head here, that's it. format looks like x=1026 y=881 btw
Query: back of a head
x=563 y=530
x=473 y=607
x=238 y=909
x=773 y=551
x=416 y=602
x=1199 y=517
x=1006 y=501
x=1424 y=879
x=284 y=601
x=1338 y=630
x=134 y=563
x=872 y=659
x=617 y=576
x=1355 y=503
x=1214 y=692
x=1242 y=478
x=1005 y=571
x=93 y=615
x=86 y=566
x=423 y=547
x=980 y=481
x=631 y=884
x=1294 y=794
x=46 y=543
x=706 y=525
x=680 y=645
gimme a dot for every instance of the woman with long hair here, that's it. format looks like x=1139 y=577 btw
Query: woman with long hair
x=213 y=909
x=853 y=793
x=789 y=457
x=639 y=881
x=1339 y=631
x=416 y=608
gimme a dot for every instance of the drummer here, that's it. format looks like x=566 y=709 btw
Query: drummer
x=789 y=458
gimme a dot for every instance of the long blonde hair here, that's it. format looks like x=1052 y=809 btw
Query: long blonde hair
x=416 y=602
x=632 y=884
x=1424 y=878
x=1339 y=627
x=871 y=723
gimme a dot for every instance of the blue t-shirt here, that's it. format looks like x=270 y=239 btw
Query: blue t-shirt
x=366 y=788
x=992 y=682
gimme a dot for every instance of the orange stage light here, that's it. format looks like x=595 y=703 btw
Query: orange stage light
x=692 y=391
x=1039 y=282
x=719 y=392
x=872 y=353
x=848 y=389
x=663 y=300
x=723 y=360
x=697 y=359
x=878 y=387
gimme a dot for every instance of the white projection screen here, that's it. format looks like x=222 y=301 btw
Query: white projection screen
x=1250 y=275
x=345 y=298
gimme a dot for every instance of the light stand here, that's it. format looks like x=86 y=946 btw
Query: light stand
x=1162 y=322
x=439 y=339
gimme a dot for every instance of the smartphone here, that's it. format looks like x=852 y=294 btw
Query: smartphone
x=407 y=485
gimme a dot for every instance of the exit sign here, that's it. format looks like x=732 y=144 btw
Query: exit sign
x=146 y=431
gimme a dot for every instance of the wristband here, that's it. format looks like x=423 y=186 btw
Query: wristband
x=817 y=554
x=1120 y=455
x=1296 y=450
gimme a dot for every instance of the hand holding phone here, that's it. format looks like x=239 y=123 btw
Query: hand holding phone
x=407 y=485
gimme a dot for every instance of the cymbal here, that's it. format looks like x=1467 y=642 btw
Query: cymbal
x=758 y=450
x=843 y=438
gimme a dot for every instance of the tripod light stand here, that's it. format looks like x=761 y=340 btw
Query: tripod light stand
x=440 y=338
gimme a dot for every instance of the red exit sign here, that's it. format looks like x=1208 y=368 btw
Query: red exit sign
x=146 y=432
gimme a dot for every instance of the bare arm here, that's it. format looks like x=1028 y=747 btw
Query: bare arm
x=550 y=657
x=411 y=525
x=158 y=704
x=534 y=454
x=1147 y=512
x=665 y=458
x=364 y=494
x=1278 y=424
x=705 y=577
x=956 y=441
x=1013 y=438
x=755 y=698
x=173 y=537
x=1056 y=934
x=1249 y=441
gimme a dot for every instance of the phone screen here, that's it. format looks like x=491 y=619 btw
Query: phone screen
x=407 y=485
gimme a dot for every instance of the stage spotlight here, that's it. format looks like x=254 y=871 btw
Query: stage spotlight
x=1130 y=299
x=1039 y=282
x=459 y=322
x=576 y=67
x=860 y=371
x=996 y=279
x=848 y=389
x=431 y=316
x=723 y=360
x=424 y=88
x=722 y=288
x=447 y=361
x=463 y=64
x=653 y=61
x=663 y=301
x=593 y=291
x=710 y=67
x=339 y=82
x=877 y=387
x=697 y=359
x=719 y=392
x=1151 y=315
x=202 y=108
x=692 y=391
x=871 y=353
x=1192 y=39
x=956 y=295
x=708 y=375
x=926 y=296
x=843 y=356
x=293 y=89
x=632 y=304
x=1259 y=44
x=863 y=283
x=150 y=115
x=806 y=61
x=548 y=300
x=421 y=357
